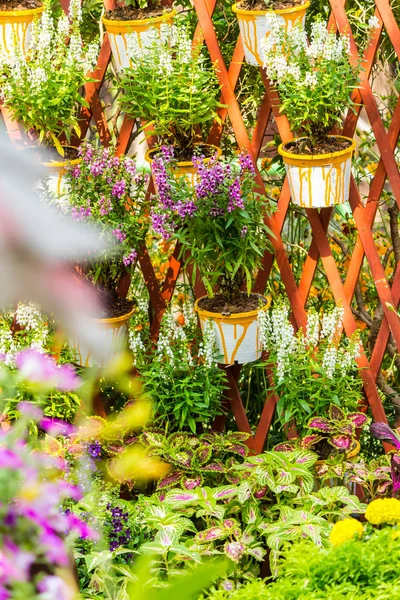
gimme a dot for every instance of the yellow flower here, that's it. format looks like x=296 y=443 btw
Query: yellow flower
x=346 y=530
x=383 y=510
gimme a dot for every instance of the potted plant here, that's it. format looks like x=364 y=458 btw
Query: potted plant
x=16 y=18
x=42 y=90
x=255 y=23
x=108 y=190
x=311 y=369
x=137 y=21
x=314 y=82
x=220 y=226
x=173 y=90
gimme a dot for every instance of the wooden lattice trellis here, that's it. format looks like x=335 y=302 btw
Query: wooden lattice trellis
x=319 y=220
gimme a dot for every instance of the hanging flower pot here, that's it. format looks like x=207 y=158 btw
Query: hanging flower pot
x=237 y=336
x=187 y=168
x=318 y=180
x=113 y=334
x=56 y=170
x=15 y=26
x=255 y=26
x=143 y=28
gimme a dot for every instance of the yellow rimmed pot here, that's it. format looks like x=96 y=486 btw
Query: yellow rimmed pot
x=142 y=28
x=111 y=333
x=16 y=25
x=237 y=336
x=319 y=180
x=55 y=175
x=187 y=168
x=255 y=26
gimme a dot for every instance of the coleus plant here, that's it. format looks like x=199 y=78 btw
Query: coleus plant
x=338 y=429
x=383 y=432
x=196 y=460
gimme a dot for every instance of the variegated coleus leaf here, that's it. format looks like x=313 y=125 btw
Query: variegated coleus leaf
x=383 y=432
x=152 y=438
x=211 y=534
x=180 y=440
x=341 y=442
x=234 y=550
x=346 y=428
x=169 y=480
x=382 y=489
x=181 y=496
x=321 y=470
x=238 y=436
x=309 y=440
x=257 y=551
x=335 y=413
x=240 y=449
x=284 y=447
x=358 y=419
x=225 y=492
x=216 y=466
x=203 y=454
x=192 y=483
x=184 y=458
x=320 y=424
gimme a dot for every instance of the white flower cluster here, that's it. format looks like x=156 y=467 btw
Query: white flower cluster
x=207 y=348
x=171 y=45
x=322 y=338
x=289 y=56
x=34 y=330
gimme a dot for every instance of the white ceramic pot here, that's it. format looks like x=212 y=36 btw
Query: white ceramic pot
x=113 y=335
x=237 y=336
x=255 y=25
x=319 y=180
x=144 y=29
x=55 y=178
x=16 y=25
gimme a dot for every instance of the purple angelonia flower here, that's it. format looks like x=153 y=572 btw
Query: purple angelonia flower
x=243 y=233
x=119 y=234
x=130 y=259
x=246 y=163
x=167 y=153
x=105 y=205
x=119 y=188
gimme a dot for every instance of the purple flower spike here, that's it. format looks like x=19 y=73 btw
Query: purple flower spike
x=383 y=432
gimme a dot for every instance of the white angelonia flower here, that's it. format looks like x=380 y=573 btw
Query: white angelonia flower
x=207 y=348
x=75 y=11
x=133 y=49
x=63 y=27
x=373 y=22
x=310 y=80
x=136 y=346
x=329 y=361
x=312 y=330
x=331 y=322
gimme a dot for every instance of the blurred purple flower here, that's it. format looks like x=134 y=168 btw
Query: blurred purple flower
x=42 y=368
x=56 y=427
x=30 y=410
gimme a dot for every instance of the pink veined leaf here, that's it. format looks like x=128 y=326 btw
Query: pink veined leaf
x=191 y=484
x=341 y=442
x=284 y=447
x=238 y=449
x=182 y=496
x=203 y=454
x=346 y=428
x=184 y=458
x=382 y=488
x=169 y=480
x=321 y=470
x=218 y=467
x=310 y=440
x=225 y=493
x=320 y=424
x=213 y=533
x=335 y=413
x=358 y=419
x=383 y=432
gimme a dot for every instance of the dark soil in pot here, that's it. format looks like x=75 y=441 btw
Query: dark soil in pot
x=20 y=4
x=231 y=306
x=273 y=5
x=303 y=146
x=323 y=449
x=187 y=154
x=112 y=306
x=127 y=13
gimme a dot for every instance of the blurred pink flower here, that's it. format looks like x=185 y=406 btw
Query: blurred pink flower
x=41 y=368
x=38 y=247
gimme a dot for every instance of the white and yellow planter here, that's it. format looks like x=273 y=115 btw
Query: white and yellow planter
x=319 y=180
x=55 y=179
x=255 y=26
x=15 y=27
x=142 y=28
x=111 y=333
x=237 y=336
x=185 y=168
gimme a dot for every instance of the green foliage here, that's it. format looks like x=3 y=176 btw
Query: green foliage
x=43 y=89
x=204 y=459
x=171 y=88
x=219 y=222
x=314 y=80
x=365 y=569
x=180 y=374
